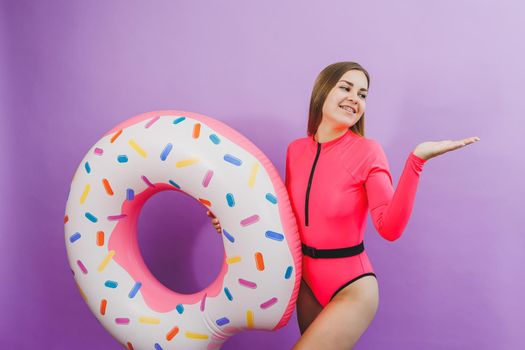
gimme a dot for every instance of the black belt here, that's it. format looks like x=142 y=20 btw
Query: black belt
x=333 y=253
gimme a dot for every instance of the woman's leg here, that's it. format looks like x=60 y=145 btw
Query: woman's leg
x=307 y=307
x=342 y=322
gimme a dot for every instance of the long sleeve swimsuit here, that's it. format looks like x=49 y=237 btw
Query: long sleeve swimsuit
x=331 y=185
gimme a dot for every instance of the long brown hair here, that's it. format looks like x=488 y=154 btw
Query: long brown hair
x=324 y=82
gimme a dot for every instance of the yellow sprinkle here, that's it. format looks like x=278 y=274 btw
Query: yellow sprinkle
x=186 y=162
x=196 y=335
x=249 y=319
x=106 y=260
x=253 y=174
x=149 y=320
x=84 y=194
x=137 y=148
x=233 y=260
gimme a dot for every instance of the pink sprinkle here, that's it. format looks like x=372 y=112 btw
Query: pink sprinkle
x=147 y=181
x=150 y=123
x=116 y=217
x=268 y=303
x=99 y=151
x=82 y=267
x=250 y=220
x=203 y=302
x=207 y=178
x=122 y=320
x=248 y=284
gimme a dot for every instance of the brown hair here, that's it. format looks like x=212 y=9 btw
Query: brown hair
x=324 y=82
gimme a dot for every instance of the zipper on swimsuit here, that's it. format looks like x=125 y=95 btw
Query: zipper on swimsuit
x=310 y=184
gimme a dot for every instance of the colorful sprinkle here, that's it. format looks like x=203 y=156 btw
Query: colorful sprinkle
x=205 y=202
x=268 y=303
x=91 y=217
x=66 y=219
x=233 y=160
x=215 y=139
x=178 y=120
x=130 y=194
x=203 y=302
x=111 y=284
x=147 y=181
x=150 y=123
x=116 y=136
x=134 y=290
x=166 y=151
x=222 y=321
x=250 y=220
x=98 y=151
x=196 y=131
x=247 y=283
x=74 y=237
x=172 y=333
x=259 y=261
x=192 y=335
x=271 y=198
x=174 y=184
x=82 y=267
x=158 y=347
x=230 y=199
x=107 y=187
x=180 y=308
x=84 y=194
x=122 y=158
x=88 y=168
x=130 y=346
x=106 y=260
x=228 y=294
x=274 y=235
x=288 y=272
x=233 y=260
x=149 y=320
x=137 y=148
x=100 y=238
x=249 y=319
x=116 y=217
x=186 y=162
x=253 y=175
x=122 y=320
x=228 y=236
x=207 y=178
x=103 y=304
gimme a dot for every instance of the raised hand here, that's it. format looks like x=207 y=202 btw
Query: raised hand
x=214 y=221
x=431 y=149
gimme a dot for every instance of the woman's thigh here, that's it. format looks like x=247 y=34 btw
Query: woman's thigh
x=307 y=307
x=342 y=322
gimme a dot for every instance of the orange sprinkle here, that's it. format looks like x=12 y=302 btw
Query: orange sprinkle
x=172 y=333
x=205 y=202
x=259 y=262
x=107 y=186
x=116 y=135
x=130 y=346
x=100 y=238
x=103 y=304
x=66 y=219
x=196 y=130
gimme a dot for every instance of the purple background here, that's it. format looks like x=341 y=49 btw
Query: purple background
x=70 y=71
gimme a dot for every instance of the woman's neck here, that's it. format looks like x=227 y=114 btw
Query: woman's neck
x=326 y=133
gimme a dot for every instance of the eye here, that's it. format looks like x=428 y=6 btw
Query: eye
x=363 y=96
x=345 y=88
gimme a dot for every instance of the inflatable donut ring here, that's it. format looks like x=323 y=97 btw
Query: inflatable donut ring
x=204 y=158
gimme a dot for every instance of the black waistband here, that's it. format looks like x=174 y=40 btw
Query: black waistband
x=333 y=253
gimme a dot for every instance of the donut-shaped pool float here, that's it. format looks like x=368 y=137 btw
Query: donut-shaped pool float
x=182 y=151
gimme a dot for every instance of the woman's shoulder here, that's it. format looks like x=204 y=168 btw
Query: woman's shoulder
x=298 y=143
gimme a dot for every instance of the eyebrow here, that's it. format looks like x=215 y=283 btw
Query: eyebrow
x=351 y=84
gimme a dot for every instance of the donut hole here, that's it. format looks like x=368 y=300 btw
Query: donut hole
x=178 y=242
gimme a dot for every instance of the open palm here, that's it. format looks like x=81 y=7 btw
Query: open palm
x=431 y=149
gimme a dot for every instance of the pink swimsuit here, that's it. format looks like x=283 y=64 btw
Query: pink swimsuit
x=331 y=186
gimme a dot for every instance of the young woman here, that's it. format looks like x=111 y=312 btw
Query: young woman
x=333 y=177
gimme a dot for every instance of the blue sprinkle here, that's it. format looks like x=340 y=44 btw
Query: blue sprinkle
x=228 y=294
x=288 y=272
x=158 y=347
x=174 y=184
x=230 y=200
x=215 y=139
x=74 y=237
x=166 y=151
x=122 y=158
x=222 y=321
x=231 y=159
x=111 y=284
x=88 y=168
x=91 y=217
x=178 y=120
x=230 y=237
x=134 y=290
x=180 y=308
x=274 y=235
x=271 y=198
x=130 y=194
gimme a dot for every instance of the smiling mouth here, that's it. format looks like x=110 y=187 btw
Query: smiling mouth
x=348 y=110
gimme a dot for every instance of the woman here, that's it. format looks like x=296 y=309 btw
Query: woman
x=333 y=177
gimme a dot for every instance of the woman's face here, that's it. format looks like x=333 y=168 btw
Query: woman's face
x=346 y=102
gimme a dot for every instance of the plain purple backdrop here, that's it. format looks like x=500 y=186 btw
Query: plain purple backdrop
x=71 y=70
